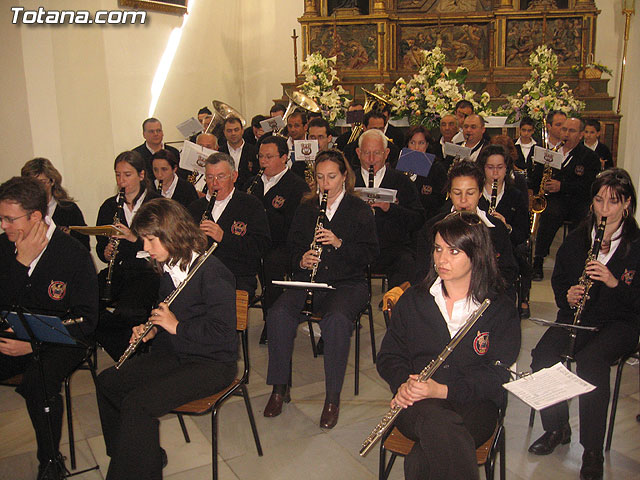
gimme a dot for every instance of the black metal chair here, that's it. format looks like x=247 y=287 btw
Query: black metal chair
x=616 y=393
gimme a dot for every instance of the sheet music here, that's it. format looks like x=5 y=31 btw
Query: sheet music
x=194 y=156
x=273 y=123
x=376 y=194
x=306 y=150
x=189 y=127
x=459 y=151
x=543 y=155
x=548 y=387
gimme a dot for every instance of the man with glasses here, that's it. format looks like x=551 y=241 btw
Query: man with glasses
x=396 y=222
x=153 y=136
x=373 y=121
x=238 y=222
x=42 y=271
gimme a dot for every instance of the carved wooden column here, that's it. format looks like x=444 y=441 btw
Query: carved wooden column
x=311 y=8
x=585 y=4
x=505 y=5
x=379 y=6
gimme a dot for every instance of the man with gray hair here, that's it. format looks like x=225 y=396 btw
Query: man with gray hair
x=396 y=222
x=237 y=221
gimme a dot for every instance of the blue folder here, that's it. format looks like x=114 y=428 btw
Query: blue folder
x=414 y=162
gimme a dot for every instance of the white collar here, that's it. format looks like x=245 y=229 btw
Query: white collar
x=51 y=206
x=149 y=148
x=461 y=311
x=616 y=238
x=526 y=145
x=175 y=271
x=377 y=178
x=269 y=183
x=170 y=189
x=595 y=145
x=331 y=210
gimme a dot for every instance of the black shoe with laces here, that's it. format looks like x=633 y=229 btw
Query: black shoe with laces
x=547 y=443
x=592 y=465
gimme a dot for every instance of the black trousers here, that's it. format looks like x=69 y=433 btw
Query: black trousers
x=446 y=437
x=559 y=208
x=595 y=352
x=397 y=263
x=146 y=387
x=276 y=266
x=338 y=309
x=58 y=362
x=524 y=266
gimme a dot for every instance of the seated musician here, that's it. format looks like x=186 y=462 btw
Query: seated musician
x=396 y=223
x=134 y=284
x=465 y=184
x=511 y=208
x=372 y=121
x=61 y=208
x=153 y=136
x=238 y=222
x=349 y=244
x=612 y=306
x=473 y=130
x=430 y=188
x=42 y=270
x=165 y=169
x=194 y=344
x=243 y=153
x=455 y=410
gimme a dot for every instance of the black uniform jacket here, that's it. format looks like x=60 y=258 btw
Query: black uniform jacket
x=605 y=304
x=246 y=232
x=67 y=214
x=206 y=313
x=397 y=226
x=418 y=333
x=64 y=282
x=352 y=156
x=248 y=161
x=431 y=188
x=499 y=237
x=280 y=204
x=353 y=224
x=147 y=156
x=576 y=177
x=514 y=207
x=185 y=193
x=126 y=250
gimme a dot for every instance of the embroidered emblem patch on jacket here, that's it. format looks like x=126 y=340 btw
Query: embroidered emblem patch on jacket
x=277 y=201
x=426 y=189
x=481 y=343
x=57 y=290
x=579 y=170
x=627 y=276
x=239 y=228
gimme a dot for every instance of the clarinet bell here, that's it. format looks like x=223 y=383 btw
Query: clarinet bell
x=307 y=309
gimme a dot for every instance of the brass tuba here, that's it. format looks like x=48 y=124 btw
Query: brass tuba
x=372 y=101
x=222 y=111
x=298 y=99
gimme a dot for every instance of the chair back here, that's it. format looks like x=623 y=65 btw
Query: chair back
x=242 y=310
x=390 y=299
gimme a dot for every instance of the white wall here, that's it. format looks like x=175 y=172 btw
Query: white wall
x=78 y=94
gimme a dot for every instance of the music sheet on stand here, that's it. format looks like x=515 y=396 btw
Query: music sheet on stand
x=548 y=387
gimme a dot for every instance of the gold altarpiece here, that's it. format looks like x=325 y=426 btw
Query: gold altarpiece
x=376 y=41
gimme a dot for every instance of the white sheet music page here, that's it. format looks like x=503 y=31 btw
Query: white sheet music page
x=548 y=387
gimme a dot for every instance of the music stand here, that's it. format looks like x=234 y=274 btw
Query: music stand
x=39 y=330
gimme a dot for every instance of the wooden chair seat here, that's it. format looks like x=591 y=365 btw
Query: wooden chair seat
x=203 y=405
x=13 y=381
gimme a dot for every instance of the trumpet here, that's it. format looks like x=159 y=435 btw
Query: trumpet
x=159 y=187
x=494 y=197
x=587 y=283
x=168 y=300
x=316 y=246
x=206 y=215
x=539 y=201
x=426 y=373
x=255 y=181
x=115 y=242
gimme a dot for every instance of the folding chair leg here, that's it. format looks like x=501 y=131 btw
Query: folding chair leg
x=372 y=332
x=503 y=458
x=357 y=362
x=614 y=404
x=247 y=403
x=532 y=417
x=382 y=463
x=72 y=444
x=184 y=428
x=214 y=443
x=313 y=339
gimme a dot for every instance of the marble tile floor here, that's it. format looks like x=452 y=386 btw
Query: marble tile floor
x=294 y=445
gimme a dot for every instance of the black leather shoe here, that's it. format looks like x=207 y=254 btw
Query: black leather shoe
x=320 y=346
x=592 y=468
x=274 y=405
x=263 y=335
x=547 y=443
x=329 y=417
x=165 y=459
x=537 y=275
x=525 y=313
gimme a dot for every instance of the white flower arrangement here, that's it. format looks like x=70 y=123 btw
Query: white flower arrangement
x=541 y=93
x=434 y=91
x=320 y=78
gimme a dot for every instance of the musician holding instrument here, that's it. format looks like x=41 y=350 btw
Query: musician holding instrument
x=457 y=408
x=128 y=283
x=612 y=305
x=243 y=153
x=168 y=184
x=153 y=136
x=42 y=271
x=373 y=120
x=567 y=191
x=193 y=343
x=507 y=203
x=61 y=208
x=235 y=219
x=346 y=237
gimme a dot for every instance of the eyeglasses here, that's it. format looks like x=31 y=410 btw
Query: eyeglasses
x=375 y=153
x=220 y=177
x=267 y=157
x=11 y=220
x=469 y=218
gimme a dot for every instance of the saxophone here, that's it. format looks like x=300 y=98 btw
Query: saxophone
x=317 y=247
x=255 y=181
x=115 y=242
x=168 y=300
x=587 y=283
x=539 y=201
x=426 y=373
x=206 y=215
x=494 y=197
x=309 y=174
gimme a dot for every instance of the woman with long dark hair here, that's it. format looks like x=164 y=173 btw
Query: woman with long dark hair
x=612 y=307
x=456 y=410
x=349 y=244
x=194 y=343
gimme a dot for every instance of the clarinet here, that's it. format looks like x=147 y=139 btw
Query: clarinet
x=206 y=215
x=115 y=242
x=307 y=309
x=494 y=197
x=424 y=375
x=159 y=187
x=255 y=181
x=587 y=283
x=371 y=176
x=168 y=300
